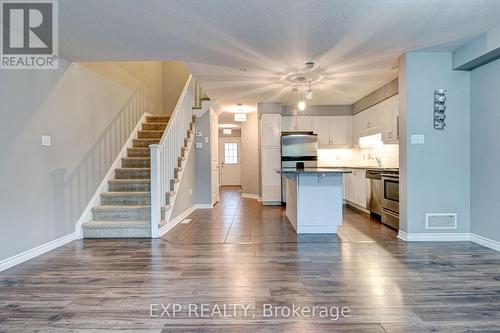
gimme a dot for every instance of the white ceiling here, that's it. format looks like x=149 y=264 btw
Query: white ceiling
x=355 y=42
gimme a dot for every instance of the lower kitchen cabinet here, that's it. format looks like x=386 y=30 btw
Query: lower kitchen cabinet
x=356 y=187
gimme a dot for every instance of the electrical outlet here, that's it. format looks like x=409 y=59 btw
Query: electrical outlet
x=46 y=140
x=206 y=139
x=199 y=145
x=417 y=139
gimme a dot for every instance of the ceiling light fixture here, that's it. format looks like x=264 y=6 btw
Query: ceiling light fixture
x=309 y=65
x=240 y=117
x=243 y=69
x=309 y=93
x=301 y=105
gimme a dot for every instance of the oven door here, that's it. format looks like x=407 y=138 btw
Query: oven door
x=390 y=191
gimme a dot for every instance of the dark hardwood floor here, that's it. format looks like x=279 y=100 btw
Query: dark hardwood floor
x=242 y=253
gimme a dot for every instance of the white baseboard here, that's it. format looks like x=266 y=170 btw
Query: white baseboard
x=171 y=224
x=489 y=243
x=35 y=252
x=434 y=237
x=250 y=196
x=103 y=186
x=204 y=206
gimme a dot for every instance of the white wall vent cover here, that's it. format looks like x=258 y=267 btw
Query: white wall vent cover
x=440 y=221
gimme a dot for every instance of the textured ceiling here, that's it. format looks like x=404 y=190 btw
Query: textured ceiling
x=355 y=42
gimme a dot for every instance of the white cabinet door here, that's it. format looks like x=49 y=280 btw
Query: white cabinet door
x=271 y=180
x=288 y=123
x=271 y=130
x=356 y=188
x=389 y=112
x=340 y=130
x=304 y=123
x=321 y=126
x=357 y=120
x=371 y=117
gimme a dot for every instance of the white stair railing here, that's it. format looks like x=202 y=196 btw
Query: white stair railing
x=165 y=155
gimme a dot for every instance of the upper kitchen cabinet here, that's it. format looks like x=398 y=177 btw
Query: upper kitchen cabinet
x=296 y=123
x=271 y=130
x=389 y=118
x=333 y=131
x=380 y=118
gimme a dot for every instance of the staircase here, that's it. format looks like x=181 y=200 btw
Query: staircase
x=125 y=211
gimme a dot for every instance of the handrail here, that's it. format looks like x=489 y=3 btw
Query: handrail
x=165 y=155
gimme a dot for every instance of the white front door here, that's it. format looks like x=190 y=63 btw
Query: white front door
x=214 y=156
x=230 y=161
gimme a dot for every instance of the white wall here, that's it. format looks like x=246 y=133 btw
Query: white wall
x=88 y=109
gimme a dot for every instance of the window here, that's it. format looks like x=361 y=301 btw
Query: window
x=231 y=153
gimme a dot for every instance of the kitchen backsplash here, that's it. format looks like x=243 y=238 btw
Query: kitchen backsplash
x=364 y=157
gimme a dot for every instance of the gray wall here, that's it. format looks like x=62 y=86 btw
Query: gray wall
x=203 y=177
x=435 y=175
x=185 y=199
x=250 y=161
x=89 y=112
x=383 y=93
x=485 y=145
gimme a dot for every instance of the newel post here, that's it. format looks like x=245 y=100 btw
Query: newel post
x=155 y=190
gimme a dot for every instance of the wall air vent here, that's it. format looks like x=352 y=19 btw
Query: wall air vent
x=440 y=221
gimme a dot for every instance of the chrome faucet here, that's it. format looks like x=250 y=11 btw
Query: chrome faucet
x=379 y=162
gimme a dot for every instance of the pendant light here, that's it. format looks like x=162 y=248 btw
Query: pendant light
x=301 y=105
x=309 y=93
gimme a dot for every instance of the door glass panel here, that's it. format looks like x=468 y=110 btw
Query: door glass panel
x=391 y=190
x=231 y=153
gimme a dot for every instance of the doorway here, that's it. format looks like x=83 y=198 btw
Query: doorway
x=230 y=161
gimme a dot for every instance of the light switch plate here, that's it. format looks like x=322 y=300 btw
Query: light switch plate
x=199 y=133
x=46 y=140
x=417 y=139
x=199 y=145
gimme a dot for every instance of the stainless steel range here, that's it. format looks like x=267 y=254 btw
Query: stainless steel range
x=390 y=199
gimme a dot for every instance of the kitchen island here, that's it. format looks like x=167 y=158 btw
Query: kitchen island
x=314 y=199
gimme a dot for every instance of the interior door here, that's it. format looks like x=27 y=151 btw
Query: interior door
x=214 y=157
x=230 y=161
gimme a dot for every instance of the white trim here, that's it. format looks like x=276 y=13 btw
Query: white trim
x=35 y=252
x=204 y=206
x=169 y=225
x=103 y=187
x=434 y=237
x=250 y=196
x=489 y=243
